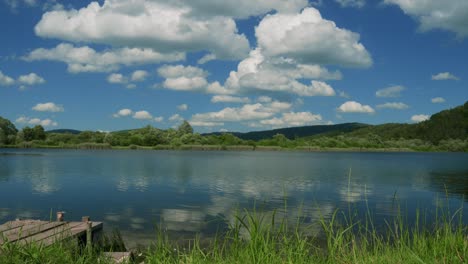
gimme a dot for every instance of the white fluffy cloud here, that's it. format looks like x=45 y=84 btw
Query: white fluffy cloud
x=229 y=99
x=86 y=59
x=229 y=114
x=159 y=119
x=176 y=118
x=6 y=80
x=444 y=76
x=351 y=3
x=176 y=71
x=260 y=73
x=355 y=107
x=182 y=107
x=392 y=91
x=293 y=119
x=164 y=26
x=36 y=121
x=30 y=79
x=139 y=76
x=142 y=115
x=189 y=78
x=394 y=105
x=117 y=78
x=48 y=107
x=451 y=15
x=247 y=112
x=310 y=39
x=419 y=118
x=438 y=100
x=123 y=112
x=205 y=124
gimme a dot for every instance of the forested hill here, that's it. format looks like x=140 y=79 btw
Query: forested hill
x=296 y=132
x=447 y=124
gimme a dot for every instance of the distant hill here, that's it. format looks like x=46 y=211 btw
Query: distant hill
x=64 y=131
x=447 y=124
x=297 y=132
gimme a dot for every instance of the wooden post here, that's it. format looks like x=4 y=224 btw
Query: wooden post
x=89 y=235
x=60 y=216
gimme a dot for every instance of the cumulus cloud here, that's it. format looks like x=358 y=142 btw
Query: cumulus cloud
x=6 y=80
x=48 y=107
x=86 y=59
x=142 y=115
x=139 y=76
x=205 y=124
x=182 y=107
x=355 y=107
x=392 y=91
x=176 y=71
x=292 y=50
x=292 y=119
x=188 y=78
x=260 y=73
x=134 y=24
x=229 y=114
x=36 y=121
x=246 y=112
x=229 y=99
x=176 y=118
x=123 y=112
x=444 y=76
x=117 y=78
x=438 y=100
x=419 y=118
x=310 y=39
x=394 y=105
x=159 y=119
x=183 y=78
x=351 y=3
x=30 y=79
x=448 y=15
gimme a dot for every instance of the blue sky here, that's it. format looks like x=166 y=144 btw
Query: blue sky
x=230 y=65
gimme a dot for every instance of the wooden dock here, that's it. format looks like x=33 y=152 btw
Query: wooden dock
x=46 y=232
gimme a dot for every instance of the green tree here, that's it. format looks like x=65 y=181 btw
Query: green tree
x=39 y=133
x=7 y=129
x=185 y=128
x=28 y=133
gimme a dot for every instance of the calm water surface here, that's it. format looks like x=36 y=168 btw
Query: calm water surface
x=191 y=192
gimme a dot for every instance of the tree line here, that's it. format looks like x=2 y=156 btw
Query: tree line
x=445 y=131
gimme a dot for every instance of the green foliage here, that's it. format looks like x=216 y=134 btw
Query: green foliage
x=445 y=131
x=7 y=131
x=185 y=128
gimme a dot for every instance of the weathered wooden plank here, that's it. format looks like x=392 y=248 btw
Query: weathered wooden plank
x=28 y=230
x=50 y=236
x=44 y=232
x=15 y=224
x=73 y=229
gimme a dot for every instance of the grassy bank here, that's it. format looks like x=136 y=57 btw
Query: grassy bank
x=254 y=238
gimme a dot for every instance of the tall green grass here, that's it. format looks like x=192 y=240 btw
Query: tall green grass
x=254 y=238
x=270 y=237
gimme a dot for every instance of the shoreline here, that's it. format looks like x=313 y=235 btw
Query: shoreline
x=229 y=148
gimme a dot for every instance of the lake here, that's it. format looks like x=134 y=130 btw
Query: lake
x=188 y=192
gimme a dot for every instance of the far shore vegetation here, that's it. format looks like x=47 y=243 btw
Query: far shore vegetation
x=445 y=131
